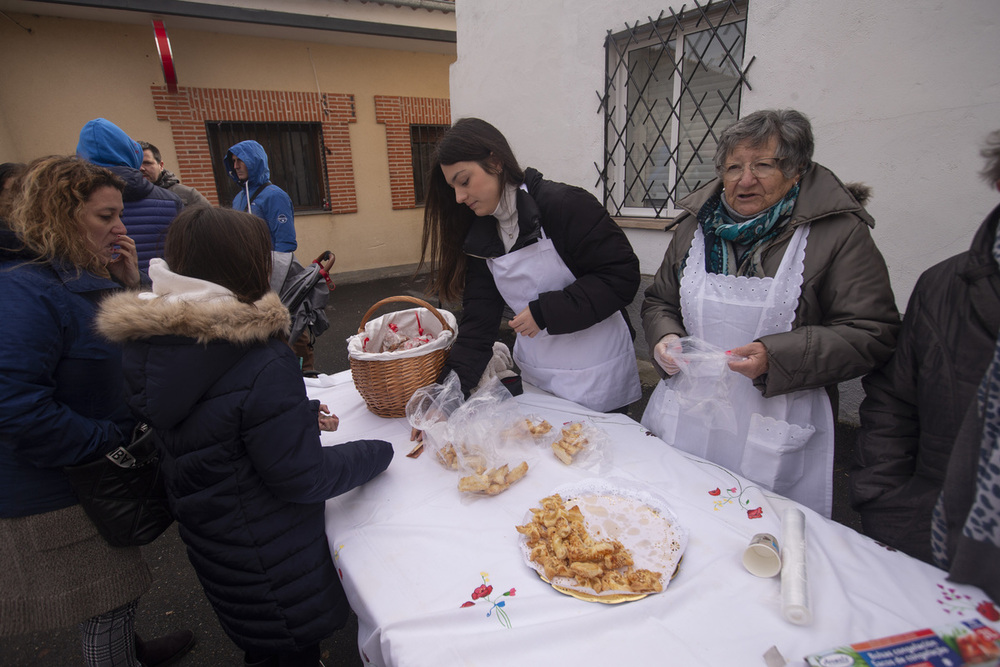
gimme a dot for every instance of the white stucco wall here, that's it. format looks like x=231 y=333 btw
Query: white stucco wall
x=901 y=94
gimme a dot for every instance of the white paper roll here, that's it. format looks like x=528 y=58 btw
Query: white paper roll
x=794 y=583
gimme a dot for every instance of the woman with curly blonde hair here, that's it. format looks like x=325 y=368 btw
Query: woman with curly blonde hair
x=62 y=403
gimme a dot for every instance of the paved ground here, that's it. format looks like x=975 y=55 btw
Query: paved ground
x=176 y=599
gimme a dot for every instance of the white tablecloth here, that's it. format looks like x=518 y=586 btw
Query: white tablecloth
x=411 y=550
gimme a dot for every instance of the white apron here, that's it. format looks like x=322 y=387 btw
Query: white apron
x=783 y=443
x=595 y=367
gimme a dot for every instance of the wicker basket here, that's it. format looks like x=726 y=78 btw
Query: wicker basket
x=387 y=385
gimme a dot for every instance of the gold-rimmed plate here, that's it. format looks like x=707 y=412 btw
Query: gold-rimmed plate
x=637 y=518
x=609 y=598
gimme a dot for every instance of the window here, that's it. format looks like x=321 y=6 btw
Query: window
x=423 y=138
x=672 y=86
x=295 y=157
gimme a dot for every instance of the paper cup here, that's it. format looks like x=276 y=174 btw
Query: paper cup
x=761 y=557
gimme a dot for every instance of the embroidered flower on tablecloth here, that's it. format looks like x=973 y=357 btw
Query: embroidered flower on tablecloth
x=960 y=603
x=483 y=592
x=988 y=611
x=336 y=557
x=734 y=494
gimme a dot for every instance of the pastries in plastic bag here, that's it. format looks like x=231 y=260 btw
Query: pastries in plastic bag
x=493 y=481
x=570 y=443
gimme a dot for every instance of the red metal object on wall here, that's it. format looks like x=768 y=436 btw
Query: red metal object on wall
x=166 y=56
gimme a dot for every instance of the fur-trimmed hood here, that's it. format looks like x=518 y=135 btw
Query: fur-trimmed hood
x=180 y=340
x=129 y=317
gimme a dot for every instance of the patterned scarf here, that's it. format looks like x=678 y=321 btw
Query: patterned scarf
x=722 y=232
x=983 y=521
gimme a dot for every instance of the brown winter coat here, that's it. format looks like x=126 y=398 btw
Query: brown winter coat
x=56 y=571
x=846 y=320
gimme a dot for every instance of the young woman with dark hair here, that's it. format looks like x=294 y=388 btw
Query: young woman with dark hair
x=498 y=235
x=207 y=366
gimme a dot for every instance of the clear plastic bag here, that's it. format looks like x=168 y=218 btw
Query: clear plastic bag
x=704 y=381
x=581 y=444
x=473 y=436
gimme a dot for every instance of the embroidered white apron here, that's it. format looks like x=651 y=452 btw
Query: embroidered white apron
x=594 y=367
x=783 y=443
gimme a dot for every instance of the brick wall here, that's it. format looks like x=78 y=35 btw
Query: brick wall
x=189 y=108
x=397 y=114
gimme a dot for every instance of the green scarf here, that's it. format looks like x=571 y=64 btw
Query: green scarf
x=722 y=232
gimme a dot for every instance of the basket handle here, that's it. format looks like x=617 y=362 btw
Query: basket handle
x=406 y=299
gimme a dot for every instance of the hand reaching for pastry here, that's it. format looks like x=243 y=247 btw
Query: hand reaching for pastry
x=327 y=421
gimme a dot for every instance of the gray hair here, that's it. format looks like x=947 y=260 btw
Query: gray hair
x=991 y=151
x=790 y=127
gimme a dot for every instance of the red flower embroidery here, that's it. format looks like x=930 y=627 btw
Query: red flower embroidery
x=732 y=490
x=717 y=491
x=482 y=592
x=340 y=572
x=755 y=514
x=988 y=610
x=511 y=591
x=468 y=604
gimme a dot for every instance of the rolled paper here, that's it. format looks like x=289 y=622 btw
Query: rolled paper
x=794 y=583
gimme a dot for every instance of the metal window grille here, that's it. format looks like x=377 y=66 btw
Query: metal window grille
x=423 y=138
x=296 y=157
x=671 y=86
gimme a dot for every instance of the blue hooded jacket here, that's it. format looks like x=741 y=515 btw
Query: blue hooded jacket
x=62 y=398
x=272 y=203
x=149 y=209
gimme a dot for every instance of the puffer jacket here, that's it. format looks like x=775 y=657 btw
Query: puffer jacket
x=149 y=209
x=245 y=472
x=915 y=405
x=272 y=204
x=593 y=247
x=846 y=319
x=61 y=397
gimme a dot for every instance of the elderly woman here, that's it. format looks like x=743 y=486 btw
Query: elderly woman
x=62 y=402
x=774 y=262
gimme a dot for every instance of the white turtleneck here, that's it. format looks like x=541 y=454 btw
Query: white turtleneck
x=172 y=286
x=506 y=215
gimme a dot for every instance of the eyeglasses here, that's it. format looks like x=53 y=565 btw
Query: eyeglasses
x=761 y=169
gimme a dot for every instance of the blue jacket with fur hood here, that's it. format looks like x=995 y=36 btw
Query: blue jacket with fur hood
x=246 y=476
x=272 y=204
x=149 y=209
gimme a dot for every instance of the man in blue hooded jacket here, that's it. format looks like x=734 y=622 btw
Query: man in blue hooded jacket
x=246 y=163
x=149 y=209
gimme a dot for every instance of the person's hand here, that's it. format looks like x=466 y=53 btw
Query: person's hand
x=524 y=324
x=663 y=357
x=327 y=421
x=416 y=435
x=125 y=267
x=753 y=363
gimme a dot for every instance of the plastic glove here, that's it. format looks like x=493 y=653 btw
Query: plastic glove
x=664 y=351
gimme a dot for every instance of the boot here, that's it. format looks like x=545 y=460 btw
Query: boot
x=165 y=650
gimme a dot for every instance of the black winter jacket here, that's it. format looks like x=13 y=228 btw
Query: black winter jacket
x=915 y=404
x=594 y=248
x=245 y=473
